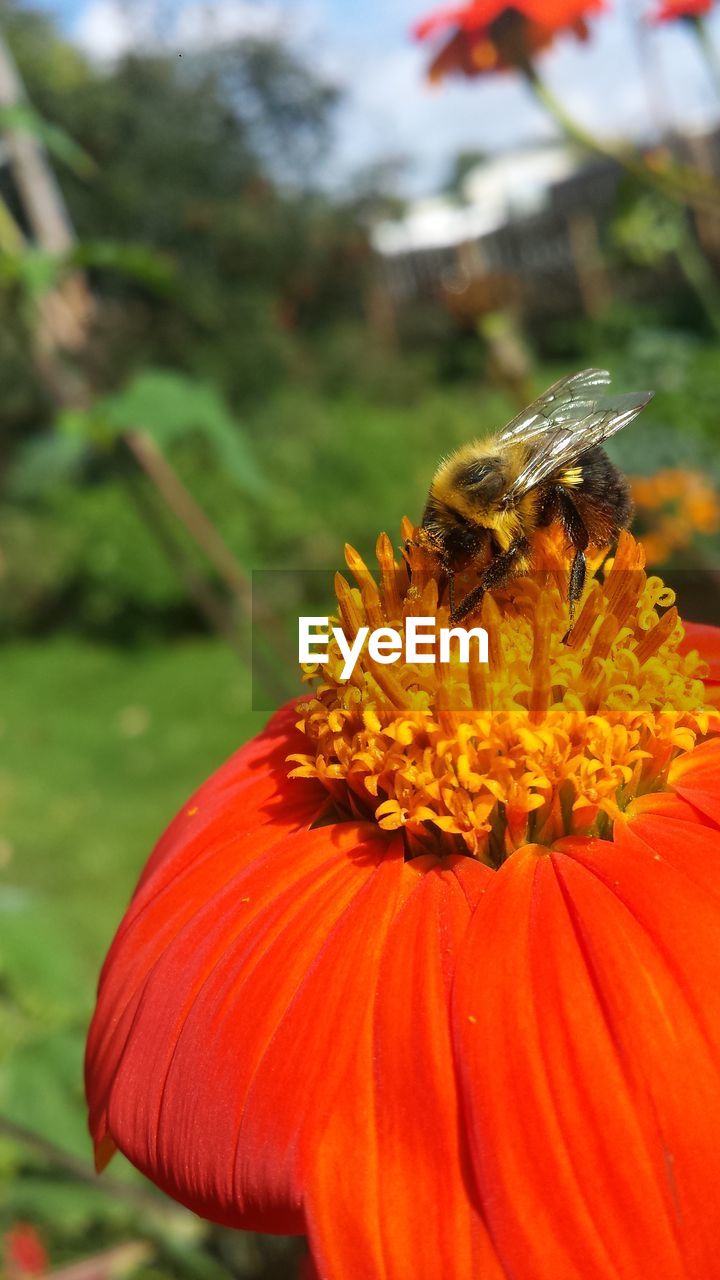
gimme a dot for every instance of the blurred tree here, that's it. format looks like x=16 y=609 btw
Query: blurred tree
x=214 y=159
x=212 y=249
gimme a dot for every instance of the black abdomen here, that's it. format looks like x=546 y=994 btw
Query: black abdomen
x=603 y=483
x=602 y=498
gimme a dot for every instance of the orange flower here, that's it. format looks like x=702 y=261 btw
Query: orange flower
x=445 y=1000
x=673 y=506
x=489 y=35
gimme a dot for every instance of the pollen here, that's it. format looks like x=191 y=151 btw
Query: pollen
x=556 y=735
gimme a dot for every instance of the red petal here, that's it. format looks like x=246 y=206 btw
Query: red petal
x=197 y=985
x=249 y=789
x=477 y=16
x=706 y=640
x=225 y=1053
x=473 y=17
x=691 y=847
x=233 y=884
x=587 y=1020
x=673 y=9
x=456 y=57
x=695 y=777
x=308 y=1269
x=389 y=1197
x=437 y=21
x=661 y=804
x=559 y=13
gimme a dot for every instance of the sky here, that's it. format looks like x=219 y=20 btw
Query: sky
x=628 y=81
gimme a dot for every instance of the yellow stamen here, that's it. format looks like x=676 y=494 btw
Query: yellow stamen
x=556 y=735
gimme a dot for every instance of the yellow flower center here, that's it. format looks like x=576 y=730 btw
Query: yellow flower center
x=553 y=736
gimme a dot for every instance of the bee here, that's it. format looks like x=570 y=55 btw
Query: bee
x=487 y=499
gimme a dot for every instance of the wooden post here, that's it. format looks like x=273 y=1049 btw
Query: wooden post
x=64 y=311
x=42 y=199
x=592 y=275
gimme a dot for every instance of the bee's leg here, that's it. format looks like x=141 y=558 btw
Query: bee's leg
x=577 y=581
x=409 y=544
x=575 y=589
x=576 y=531
x=468 y=605
x=500 y=570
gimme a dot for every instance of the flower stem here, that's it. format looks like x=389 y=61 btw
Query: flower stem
x=670 y=182
x=699 y=275
x=685 y=185
x=709 y=49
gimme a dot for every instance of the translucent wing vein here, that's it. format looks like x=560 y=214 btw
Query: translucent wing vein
x=568 y=419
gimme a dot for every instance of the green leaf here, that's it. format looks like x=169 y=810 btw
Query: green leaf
x=21 y=116
x=170 y=407
x=41 y=1089
x=68 y=1207
x=35 y=270
x=45 y=463
x=38 y=964
x=136 y=261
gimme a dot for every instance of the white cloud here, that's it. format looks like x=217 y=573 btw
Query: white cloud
x=107 y=29
x=104 y=31
x=202 y=25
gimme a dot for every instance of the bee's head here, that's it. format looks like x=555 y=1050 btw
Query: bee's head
x=472 y=482
x=481 y=483
x=465 y=496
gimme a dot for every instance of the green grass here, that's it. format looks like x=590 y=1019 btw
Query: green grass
x=99 y=748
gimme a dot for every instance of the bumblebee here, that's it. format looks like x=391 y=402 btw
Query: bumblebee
x=487 y=499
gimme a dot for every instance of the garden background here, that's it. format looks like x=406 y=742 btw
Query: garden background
x=238 y=327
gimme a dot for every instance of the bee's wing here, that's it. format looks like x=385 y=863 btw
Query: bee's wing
x=581 y=426
x=569 y=399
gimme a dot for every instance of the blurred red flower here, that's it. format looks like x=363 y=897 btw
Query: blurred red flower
x=429 y=1066
x=489 y=35
x=23 y=1253
x=672 y=9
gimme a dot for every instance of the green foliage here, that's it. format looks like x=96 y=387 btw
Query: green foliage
x=33 y=270
x=105 y=747
x=135 y=261
x=169 y=408
x=209 y=246
x=46 y=463
x=648 y=229
x=87 y=556
x=190 y=151
x=22 y=117
x=79 y=554
x=75 y=542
